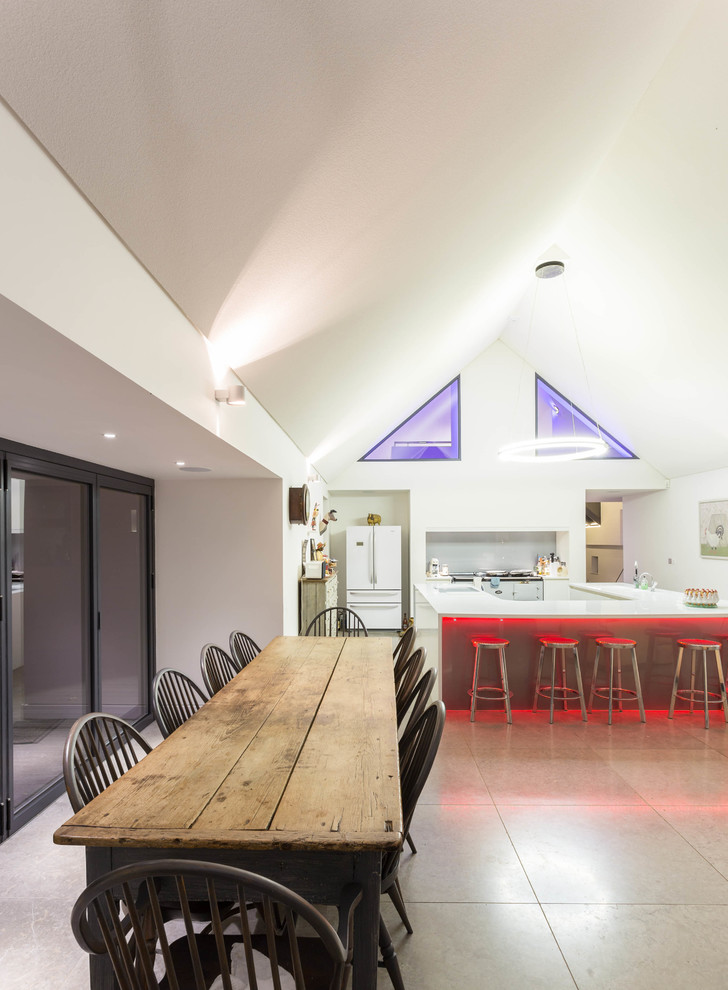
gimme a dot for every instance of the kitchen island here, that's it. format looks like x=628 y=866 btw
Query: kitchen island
x=447 y=617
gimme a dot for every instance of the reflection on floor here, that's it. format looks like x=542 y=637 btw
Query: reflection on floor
x=37 y=754
x=572 y=855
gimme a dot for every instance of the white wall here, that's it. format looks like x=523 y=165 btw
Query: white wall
x=219 y=566
x=666 y=525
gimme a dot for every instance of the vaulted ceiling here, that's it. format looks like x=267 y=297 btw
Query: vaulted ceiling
x=349 y=198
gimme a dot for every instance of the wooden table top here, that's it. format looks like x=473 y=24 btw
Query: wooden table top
x=299 y=751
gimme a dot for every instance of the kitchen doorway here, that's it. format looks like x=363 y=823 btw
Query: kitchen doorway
x=604 y=549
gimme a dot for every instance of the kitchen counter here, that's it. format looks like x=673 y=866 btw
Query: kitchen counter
x=447 y=620
x=613 y=600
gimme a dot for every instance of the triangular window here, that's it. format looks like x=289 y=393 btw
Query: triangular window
x=432 y=433
x=557 y=416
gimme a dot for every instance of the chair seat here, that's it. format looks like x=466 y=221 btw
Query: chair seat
x=558 y=641
x=699 y=644
x=316 y=964
x=491 y=642
x=616 y=644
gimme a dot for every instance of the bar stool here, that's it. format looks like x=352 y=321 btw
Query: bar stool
x=613 y=644
x=486 y=692
x=703 y=646
x=562 y=690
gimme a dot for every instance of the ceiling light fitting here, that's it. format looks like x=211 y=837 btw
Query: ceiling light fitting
x=550 y=269
x=234 y=396
x=557 y=448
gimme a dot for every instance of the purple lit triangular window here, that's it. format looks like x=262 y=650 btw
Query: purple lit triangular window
x=432 y=433
x=557 y=416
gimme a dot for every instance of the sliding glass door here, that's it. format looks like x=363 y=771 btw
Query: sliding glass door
x=123 y=603
x=76 y=618
x=49 y=623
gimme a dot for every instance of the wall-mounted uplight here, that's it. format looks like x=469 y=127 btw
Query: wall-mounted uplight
x=234 y=396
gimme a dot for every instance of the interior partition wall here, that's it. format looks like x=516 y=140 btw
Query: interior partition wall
x=77 y=616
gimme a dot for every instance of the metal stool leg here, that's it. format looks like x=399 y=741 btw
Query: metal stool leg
x=563 y=679
x=705 y=687
x=476 y=670
x=638 y=685
x=579 y=684
x=594 y=679
x=538 y=676
x=553 y=682
x=721 y=681
x=611 y=683
x=504 y=682
x=692 y=681
x=619 y=680
x=675 y=682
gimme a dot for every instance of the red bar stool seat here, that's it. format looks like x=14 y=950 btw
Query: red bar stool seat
x=616 y=645
x=488 y=692
x=692 y=693
x=553 y=690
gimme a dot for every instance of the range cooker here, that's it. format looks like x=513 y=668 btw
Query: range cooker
x=517 y=585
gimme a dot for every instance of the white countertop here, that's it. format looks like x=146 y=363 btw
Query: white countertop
x=620 y=600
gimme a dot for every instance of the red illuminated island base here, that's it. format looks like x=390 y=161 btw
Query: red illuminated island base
x=447 y=622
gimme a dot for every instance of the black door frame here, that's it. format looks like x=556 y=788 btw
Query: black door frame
x=21 y=457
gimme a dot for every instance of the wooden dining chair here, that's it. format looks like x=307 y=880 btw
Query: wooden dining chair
x=121 y=915
x=418 y=701
x=99 y=749
x=404 y=646
x=411 y=670
x=243 y=649
x=417 y=752
x=217 y=668
x=175 y=697
x=337 y=621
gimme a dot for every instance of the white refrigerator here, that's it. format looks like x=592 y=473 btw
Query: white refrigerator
x=374 y=575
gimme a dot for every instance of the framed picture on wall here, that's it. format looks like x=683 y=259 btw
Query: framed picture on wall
x=714 y=528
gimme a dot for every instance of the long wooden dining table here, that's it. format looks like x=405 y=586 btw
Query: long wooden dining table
x=291 y=770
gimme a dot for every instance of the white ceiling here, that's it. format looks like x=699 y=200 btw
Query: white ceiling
x=337 y=193
x=66 y=400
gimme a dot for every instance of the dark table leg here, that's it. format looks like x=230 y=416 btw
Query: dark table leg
x=368 y=873
x=101 y=973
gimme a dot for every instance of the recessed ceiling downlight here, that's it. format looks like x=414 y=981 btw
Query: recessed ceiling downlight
x=550 y=269
x=195 y=470
x=109 y=436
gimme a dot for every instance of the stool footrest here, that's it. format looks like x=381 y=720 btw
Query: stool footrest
x=691 y=695
x=493 y=693
x=624 y=694
x=559 y=692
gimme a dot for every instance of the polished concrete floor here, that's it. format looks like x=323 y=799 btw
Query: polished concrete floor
x=572 y=855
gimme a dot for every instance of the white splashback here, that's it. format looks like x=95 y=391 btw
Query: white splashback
x=470 y=551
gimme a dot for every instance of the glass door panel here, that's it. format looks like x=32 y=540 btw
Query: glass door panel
x=50 y=627
x=123 y=632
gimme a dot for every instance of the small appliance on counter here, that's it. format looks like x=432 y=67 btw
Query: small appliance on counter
x=434 y=567
x=519 y=585
x=315 y=570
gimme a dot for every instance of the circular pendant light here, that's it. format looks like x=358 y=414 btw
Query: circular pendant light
x=550 y=449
